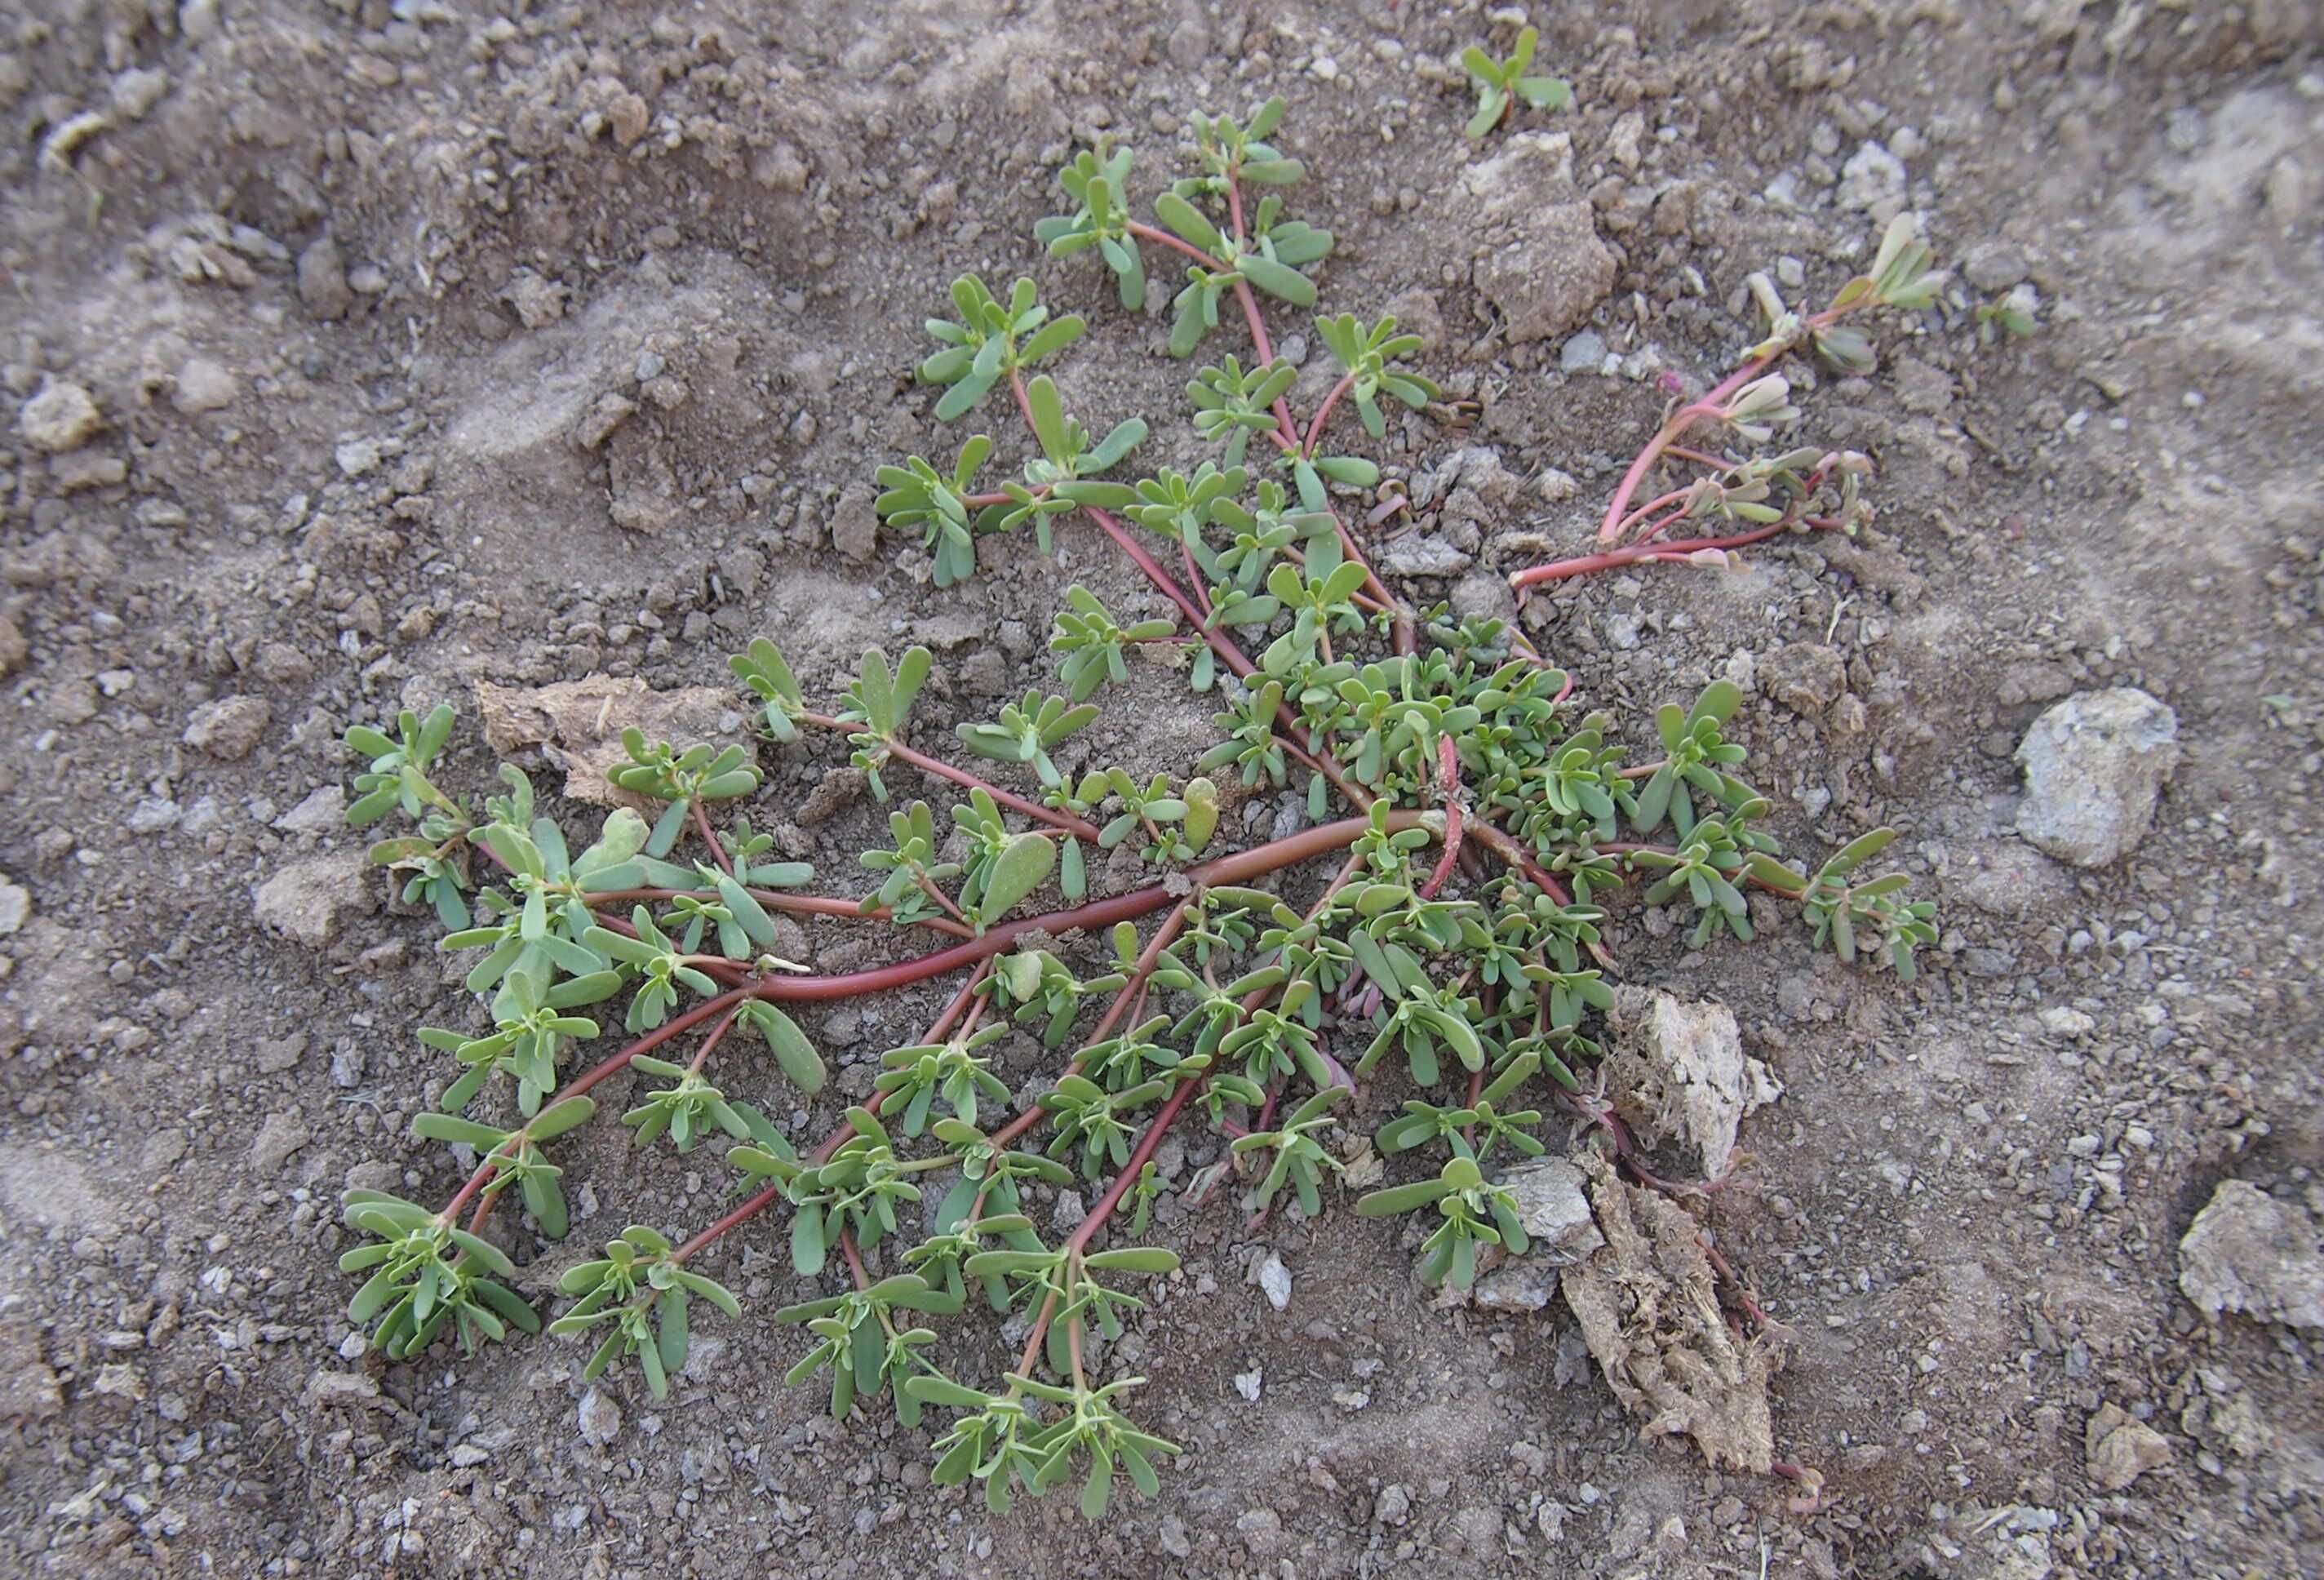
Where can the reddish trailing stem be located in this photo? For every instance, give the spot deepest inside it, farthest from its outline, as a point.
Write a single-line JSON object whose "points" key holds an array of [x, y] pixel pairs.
{"points": [[774, 900], [1670, 552], [1687, 416], [710, 838], [1448, 786], [904, 752], [1241, 867]]}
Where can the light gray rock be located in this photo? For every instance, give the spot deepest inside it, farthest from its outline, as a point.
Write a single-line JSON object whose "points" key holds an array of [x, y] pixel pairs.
{"points": [[322, 279], [1546, 282], [62, 417], [2246, 1252], [1805, 676], [2095, 765], [1275, 1280], [308, 902], [229, 728], [281, 1135], [203, 385], [600, 1418], [16, 908], [2121, 1449], [324, 811], [1993, 266], [1584, 353], [855, 526], [28, 1384], [1871, 177], [1414, 555], [1553, 1205]]}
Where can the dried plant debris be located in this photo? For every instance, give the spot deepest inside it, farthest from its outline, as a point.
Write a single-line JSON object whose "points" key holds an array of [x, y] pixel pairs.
{"points": [[1678, 1074], [1650, 1315], [578, 725]]}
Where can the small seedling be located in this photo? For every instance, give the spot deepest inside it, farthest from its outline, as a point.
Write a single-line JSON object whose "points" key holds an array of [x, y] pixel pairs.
{"points": [[1447, 1004], [1503, 85]]}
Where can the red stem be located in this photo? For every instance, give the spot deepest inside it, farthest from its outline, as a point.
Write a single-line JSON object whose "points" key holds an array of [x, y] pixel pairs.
{"points": [[920, 759], [1323, 414], [1164, 238], [717, 1035], [710, 839], [1687, 417], [1064, 821], [1669, 552], [1147, 1144], [1241, 867], [776, 900]]}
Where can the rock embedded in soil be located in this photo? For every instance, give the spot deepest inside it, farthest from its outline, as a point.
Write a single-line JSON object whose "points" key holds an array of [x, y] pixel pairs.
{"points": [[62, 417], [1805, 676], [1274, 1279], [310, 902], [1993, 266], [1873, 178], [13, 649], [1545, 283], [2095, 766], [855, 526], [600, 1418], [2246, 1252], [1583, 354], [1542, 264], [228, 728], [2121, 1449], [203, 385], [280, 1136], [322, 279], [1414, 555], [644, 484], [28, 1385], [1553, 1205], [16, 908], [598, 423]]}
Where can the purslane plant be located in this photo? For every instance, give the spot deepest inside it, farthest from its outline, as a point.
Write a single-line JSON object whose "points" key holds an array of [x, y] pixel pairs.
{"points": [[1505, 84], [1452, 962]]}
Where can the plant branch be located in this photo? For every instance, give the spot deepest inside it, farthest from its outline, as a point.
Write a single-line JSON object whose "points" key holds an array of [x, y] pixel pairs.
{"points": [[1241, 867], [611, 1065], [904, 751], [766, 1198], [1670, 552], [774, 900], [710, 838]]}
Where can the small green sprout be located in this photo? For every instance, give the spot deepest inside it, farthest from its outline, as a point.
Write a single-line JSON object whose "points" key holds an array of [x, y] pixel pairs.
{"points": [[1503, 85]]}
